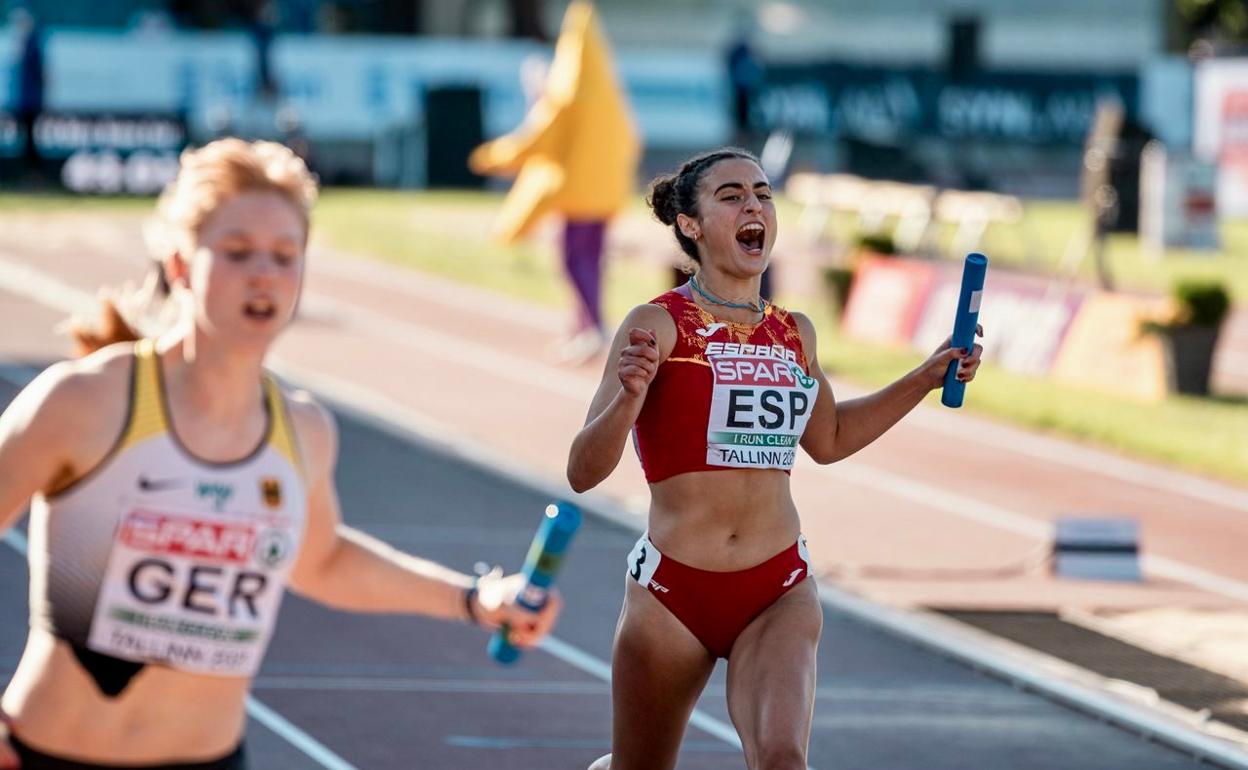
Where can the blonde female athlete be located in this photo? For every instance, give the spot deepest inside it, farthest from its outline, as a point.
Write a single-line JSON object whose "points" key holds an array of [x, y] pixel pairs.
{"points": [[718, 389], [176, 490]]}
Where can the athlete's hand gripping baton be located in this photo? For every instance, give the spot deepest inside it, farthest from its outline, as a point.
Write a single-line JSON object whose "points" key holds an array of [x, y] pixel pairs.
{"points": [[973, 273], [541, 565]]}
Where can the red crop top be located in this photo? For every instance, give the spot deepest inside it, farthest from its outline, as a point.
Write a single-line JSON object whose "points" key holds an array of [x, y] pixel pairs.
{"points": [[729, 396]]}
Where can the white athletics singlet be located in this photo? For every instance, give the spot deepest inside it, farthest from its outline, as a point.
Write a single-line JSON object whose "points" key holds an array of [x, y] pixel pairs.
{"points": [[156, 556]]}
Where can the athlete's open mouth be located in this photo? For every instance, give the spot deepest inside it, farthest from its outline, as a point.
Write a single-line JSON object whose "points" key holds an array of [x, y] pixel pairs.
{"points": [[259, 310], [751, 236]]}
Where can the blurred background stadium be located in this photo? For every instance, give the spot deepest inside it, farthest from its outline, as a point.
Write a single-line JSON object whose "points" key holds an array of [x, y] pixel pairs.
{"points": [[1096, 148], [1096, 151]]}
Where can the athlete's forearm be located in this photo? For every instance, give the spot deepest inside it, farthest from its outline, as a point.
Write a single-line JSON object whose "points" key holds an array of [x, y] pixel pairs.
{"points": [[363, 574], [596, 450], [860, 421]]}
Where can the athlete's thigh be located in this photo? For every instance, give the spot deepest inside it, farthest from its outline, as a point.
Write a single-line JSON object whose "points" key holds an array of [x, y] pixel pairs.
{"points": [[658, 670], [771, 676]]}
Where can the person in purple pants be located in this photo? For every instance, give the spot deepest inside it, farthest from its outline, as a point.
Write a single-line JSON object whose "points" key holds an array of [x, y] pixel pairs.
{"points": [[582, 259], [574, 157]]}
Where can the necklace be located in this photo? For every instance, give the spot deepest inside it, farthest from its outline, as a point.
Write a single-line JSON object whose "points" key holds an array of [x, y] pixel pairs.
{"points": [[760, 307]]}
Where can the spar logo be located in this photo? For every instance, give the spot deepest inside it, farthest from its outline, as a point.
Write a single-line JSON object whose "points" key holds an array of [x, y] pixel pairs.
{"points": [[160, 533], [761, 372], [196, 567]]}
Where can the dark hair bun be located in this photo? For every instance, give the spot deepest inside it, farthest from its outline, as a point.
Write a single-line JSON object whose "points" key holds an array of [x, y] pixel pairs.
{"points": [[662, 199]]}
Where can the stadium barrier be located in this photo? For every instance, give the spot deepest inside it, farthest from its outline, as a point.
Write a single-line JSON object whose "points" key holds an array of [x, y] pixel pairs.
{"points": [[1039, 327]]}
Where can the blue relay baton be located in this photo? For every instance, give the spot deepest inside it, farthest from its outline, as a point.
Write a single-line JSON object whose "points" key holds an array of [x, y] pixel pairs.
{"points": [[542, 563], [973, 273]]}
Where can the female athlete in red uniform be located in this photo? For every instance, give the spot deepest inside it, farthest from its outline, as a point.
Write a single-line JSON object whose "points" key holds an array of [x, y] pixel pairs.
{"points": [[718, 389], [177, 490]]}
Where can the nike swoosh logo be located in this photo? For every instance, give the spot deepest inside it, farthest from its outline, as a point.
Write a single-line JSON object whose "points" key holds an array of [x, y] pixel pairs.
{"points": [[708, 331], [156, 485], [793, 578]]}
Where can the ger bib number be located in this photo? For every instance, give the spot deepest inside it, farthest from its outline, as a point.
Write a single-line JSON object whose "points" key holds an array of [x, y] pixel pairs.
{"points": [[759, 409], [200, 592]]}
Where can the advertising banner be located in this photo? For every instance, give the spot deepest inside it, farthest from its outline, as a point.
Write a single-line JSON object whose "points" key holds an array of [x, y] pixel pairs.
{"points": [[886, 299], [1028, 317], [99, 153], [1178, 202], [885, 104], [1105, 348], [1222, 129], [353, 88], [1034, 326]]}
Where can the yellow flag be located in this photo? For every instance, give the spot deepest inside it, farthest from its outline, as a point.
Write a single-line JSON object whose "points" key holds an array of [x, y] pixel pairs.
{"points": [[576, 152]]}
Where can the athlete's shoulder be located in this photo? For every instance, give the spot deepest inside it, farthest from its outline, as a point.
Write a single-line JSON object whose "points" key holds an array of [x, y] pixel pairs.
{"points": [[801, 320], [806, 337], [650, 311], [309, 415], [73, 403], [649, 316], [790, 319], [671, 298], [315, 429], [109, 361], [85, 383]]}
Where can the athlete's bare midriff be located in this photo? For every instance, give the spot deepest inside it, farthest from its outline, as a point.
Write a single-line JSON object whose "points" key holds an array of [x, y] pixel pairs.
{"points": [[163, 715], [723, 520]]}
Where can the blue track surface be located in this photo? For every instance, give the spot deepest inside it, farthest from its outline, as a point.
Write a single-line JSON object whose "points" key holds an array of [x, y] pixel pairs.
{"points": [[393, 693]]}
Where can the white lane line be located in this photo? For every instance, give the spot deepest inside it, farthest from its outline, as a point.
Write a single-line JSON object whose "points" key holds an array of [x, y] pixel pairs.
{"points": [[42, 287], [388, 415], [266, 716], [1082, 458], [921, 493], [489, 360], [912, 490], [577, 658], [918, 697], [428, 288], [601, 669], [296, 737], [1194, 576], [445, 686]]}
